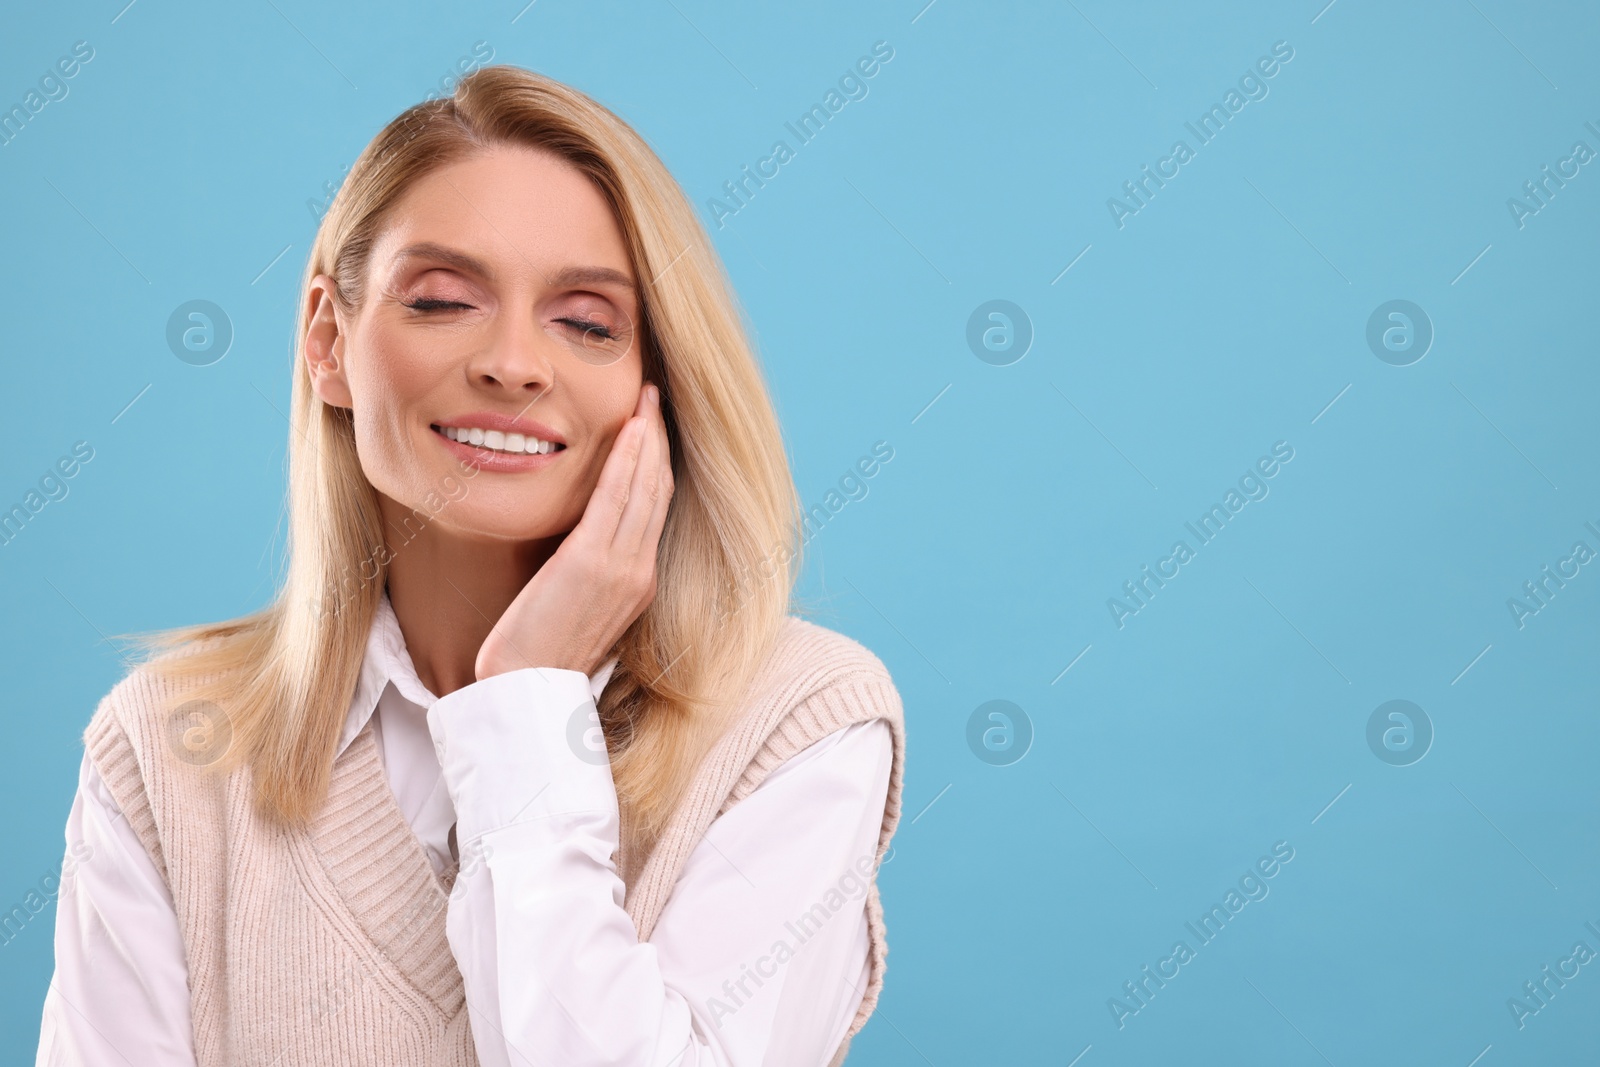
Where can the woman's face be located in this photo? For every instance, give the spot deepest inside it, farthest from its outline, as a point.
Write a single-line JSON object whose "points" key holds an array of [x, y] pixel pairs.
{"points": [[500, 333]]}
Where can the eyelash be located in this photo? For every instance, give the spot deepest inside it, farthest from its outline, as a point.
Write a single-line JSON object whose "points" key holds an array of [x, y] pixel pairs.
{"points": [[590, 327], [580, 324]]}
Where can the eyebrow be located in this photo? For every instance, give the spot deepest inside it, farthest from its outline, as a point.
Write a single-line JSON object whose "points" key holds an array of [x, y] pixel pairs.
{"points": [[563, 277]]}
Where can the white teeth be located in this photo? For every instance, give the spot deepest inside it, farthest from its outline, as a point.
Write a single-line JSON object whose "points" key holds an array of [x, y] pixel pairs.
{"points": [[497, 441]]}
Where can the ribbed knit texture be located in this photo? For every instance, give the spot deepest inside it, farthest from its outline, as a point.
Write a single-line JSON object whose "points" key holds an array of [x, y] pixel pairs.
{"points": [[328, 946]]}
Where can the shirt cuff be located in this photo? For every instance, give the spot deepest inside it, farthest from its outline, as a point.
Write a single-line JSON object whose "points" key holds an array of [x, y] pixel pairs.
{"points": [[522, 745]]}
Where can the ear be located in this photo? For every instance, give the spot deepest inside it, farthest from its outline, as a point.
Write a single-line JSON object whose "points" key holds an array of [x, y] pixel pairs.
{"points": [[325, 345]]}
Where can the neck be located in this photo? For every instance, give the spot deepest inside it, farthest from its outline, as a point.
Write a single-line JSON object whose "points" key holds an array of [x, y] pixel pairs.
{"points": [[448, 589]]}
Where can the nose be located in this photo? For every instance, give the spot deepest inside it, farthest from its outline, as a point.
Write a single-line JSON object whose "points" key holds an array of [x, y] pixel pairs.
{"points": [[516, 362]]}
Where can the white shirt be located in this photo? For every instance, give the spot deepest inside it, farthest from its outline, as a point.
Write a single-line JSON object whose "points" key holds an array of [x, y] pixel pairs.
{"points": [[552, 965]]}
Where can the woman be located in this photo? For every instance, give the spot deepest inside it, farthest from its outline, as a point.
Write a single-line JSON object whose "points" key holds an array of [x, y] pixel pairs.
{"points": [[526, 762]]}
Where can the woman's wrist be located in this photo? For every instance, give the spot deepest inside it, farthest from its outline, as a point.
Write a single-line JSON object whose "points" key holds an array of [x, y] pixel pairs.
{"points": [[498, 656]]}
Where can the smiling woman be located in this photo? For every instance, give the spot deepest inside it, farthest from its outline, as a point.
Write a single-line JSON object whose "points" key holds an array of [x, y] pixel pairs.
{"points": [[508, 287]]}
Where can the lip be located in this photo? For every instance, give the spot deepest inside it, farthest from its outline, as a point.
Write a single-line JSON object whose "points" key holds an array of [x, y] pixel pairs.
{"points": [[488, 460], [493, 420]]}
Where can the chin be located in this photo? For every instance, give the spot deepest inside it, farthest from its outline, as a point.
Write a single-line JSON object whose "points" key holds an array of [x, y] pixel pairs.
{"points": [[506, 526]]}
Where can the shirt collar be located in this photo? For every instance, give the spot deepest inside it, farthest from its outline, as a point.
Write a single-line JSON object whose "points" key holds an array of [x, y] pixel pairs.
{"points": [[387, 662]]}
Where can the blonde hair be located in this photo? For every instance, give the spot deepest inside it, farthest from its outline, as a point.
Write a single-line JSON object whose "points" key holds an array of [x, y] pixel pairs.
{"points": [[282, 678]]}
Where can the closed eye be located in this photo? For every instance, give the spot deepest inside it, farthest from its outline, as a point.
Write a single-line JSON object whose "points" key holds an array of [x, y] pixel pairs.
{"points": [[596, 328]]}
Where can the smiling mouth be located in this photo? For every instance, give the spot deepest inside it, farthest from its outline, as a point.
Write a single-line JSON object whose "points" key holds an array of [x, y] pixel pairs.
{"points": [[511, 444]]}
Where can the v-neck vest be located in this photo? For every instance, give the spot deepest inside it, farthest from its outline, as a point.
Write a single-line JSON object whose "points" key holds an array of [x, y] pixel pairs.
{"points": [[327, 945]]}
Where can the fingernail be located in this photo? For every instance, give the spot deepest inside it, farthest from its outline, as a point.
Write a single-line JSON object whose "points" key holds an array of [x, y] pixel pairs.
{"points": [[655, 395]]}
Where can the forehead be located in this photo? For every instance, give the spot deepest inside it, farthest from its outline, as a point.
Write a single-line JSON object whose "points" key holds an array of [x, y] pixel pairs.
{"points": [[516, 210]]}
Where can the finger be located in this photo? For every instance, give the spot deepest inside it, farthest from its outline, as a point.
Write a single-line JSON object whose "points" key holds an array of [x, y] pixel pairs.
{"points": [[609, 500], [650, 535], [658, 516], [643, 488]]}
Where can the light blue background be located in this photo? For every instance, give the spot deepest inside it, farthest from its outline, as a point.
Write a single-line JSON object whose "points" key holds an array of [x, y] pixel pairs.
{"points": [[1223, 317]]}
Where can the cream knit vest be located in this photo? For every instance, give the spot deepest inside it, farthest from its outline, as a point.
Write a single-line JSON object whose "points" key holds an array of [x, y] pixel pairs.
{"points": [[328, 947]]}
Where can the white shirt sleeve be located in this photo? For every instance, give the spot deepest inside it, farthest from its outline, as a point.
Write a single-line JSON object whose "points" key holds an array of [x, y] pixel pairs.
{"points": [[758, 959], [120, 992]]}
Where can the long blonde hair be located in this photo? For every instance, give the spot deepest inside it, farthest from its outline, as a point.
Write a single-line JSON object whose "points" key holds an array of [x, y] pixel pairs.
{"points": [[282, 678]]}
